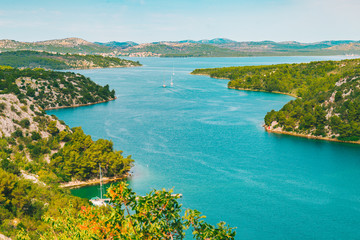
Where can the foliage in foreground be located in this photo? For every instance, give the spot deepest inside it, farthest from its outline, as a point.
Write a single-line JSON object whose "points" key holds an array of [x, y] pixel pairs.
{"points": [[23, 203], [154, 216]]}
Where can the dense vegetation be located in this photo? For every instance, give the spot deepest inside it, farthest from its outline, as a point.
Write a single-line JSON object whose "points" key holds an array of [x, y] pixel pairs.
{"points": [[34, 59], [154, 216], [80, 157], [52, 89], [328, 102], [24, 203]]}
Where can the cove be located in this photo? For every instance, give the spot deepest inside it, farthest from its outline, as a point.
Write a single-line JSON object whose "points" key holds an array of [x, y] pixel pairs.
{"points": [[208, 143]]}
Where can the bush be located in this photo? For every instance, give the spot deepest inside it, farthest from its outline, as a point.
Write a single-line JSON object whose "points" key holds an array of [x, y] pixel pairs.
{"points": [[10, 166], [2, 107], [25, 123], [23, 101], [17, 133], [24, 108], [52, 129], [35, 136]]}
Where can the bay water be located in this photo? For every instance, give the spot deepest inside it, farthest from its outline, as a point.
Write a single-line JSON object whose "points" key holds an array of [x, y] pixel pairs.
{"points": [[207, 142]]}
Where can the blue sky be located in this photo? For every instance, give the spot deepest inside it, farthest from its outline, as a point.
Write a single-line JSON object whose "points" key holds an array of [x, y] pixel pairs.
{"points": [[156, 20]]}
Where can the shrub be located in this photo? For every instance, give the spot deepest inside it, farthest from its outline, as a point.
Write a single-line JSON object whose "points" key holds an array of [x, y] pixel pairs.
{"points": [[17, 133], [24, 108], [2, 107], [25, 123]]}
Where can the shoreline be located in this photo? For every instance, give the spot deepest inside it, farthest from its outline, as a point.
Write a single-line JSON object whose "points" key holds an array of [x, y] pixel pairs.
{"points": [[105, 180], [307, 136], [96, 68], [81, 105], [245, 89], [256, 90]]}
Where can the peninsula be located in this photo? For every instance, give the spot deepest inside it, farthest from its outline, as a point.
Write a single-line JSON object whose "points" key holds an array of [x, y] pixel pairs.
{"points": [[38, 151], [61, 61], [328, 96]]}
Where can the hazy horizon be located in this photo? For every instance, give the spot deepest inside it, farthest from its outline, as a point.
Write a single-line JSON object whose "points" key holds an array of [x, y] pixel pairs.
{"points": [[186, 40], [146, 21]]}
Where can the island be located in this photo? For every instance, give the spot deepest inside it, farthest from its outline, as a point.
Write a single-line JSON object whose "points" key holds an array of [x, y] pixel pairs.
{"points": [[327, 104]]}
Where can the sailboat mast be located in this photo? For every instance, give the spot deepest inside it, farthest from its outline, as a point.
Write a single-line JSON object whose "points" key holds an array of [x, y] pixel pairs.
{"points": [[100, 182]]}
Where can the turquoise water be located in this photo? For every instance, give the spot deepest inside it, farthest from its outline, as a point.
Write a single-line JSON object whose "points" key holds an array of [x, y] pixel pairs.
{"points": [[208, 143]]}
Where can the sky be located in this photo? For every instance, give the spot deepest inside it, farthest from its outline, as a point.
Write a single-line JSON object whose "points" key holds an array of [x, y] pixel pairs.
{"points": [[171, 20]]}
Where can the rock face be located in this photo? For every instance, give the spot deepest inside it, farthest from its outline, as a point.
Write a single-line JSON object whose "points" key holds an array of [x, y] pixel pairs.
{"points": [[24, 116], [68, 42]]}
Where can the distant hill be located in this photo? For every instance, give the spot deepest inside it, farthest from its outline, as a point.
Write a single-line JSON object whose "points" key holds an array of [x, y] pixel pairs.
{"points": [[35, 59], [222, 47], [217, 41], [217, 47], [67, 45], [114, 44]]}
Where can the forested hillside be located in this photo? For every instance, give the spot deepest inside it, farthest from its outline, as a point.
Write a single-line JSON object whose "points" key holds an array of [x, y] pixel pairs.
{"points": [[328, 95], [51, 89], [38, 152], [34, 59]]}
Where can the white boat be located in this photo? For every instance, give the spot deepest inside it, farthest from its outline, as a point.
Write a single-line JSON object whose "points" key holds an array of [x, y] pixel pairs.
{"points": [[171, 81], [100, 201]]}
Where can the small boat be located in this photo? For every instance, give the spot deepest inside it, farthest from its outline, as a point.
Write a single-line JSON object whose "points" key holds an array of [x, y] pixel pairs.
{"points": [[100, 201], [171, 81]]}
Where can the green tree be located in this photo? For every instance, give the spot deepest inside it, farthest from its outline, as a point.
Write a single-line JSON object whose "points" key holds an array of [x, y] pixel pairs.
{"points": [[52, 129]]}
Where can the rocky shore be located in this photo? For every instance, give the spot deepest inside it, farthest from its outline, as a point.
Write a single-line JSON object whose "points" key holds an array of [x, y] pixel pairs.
{"points": [[80, 105], [78, 184], [279, 131]]}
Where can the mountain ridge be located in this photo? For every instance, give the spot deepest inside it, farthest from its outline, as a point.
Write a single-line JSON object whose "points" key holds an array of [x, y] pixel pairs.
{"points": [[216, 47]]}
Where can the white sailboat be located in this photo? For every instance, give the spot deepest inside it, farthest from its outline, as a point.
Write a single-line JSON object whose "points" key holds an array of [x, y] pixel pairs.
{"points": [[100, 201], [171, 81]]}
